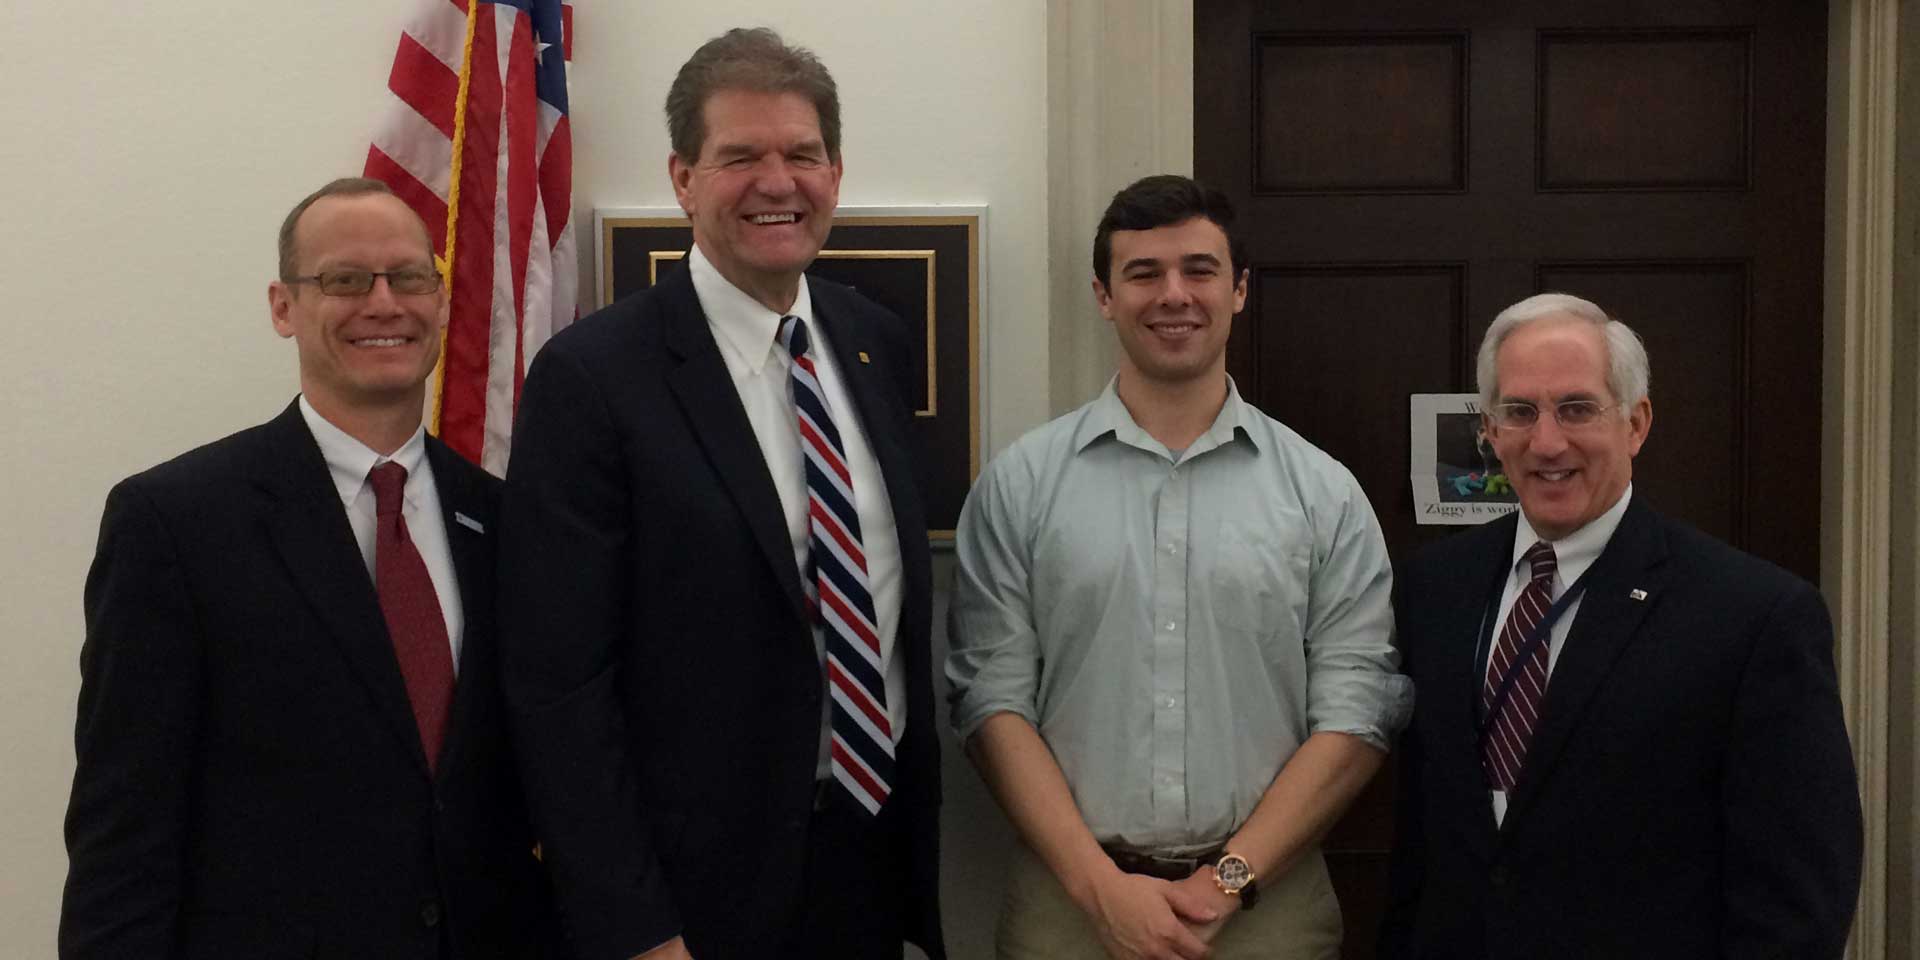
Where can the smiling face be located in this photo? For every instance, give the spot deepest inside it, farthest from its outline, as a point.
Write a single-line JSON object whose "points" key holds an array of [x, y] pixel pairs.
{"points": [[762, 192], [1172, 300], [371, 352], [1564, 477]]}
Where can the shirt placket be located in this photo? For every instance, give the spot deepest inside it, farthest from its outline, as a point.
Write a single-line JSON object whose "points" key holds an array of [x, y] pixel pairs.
{"points": [[1170, 656]]}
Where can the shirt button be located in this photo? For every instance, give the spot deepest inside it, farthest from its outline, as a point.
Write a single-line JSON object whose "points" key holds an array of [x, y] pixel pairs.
{"points": [[430, 914], [1171, 549], [1170, 625], [1170, 702]]}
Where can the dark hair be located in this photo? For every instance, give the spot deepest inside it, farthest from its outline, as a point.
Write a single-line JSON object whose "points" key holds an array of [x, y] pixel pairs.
{"points": [[1159, 201], [756, 60], [343, 187]]}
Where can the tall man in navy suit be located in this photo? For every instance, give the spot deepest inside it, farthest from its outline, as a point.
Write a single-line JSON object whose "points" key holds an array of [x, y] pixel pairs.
{"points": [[291, 739], [710, 494], [1628, 738]]}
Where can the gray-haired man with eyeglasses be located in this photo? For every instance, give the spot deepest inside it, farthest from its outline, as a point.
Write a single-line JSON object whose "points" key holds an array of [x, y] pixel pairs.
{"points": [[291, 740], [1628, 738]]}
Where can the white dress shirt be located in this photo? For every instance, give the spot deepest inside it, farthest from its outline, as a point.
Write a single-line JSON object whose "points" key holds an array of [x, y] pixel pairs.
{"points": [[747, 333], [1573, 554], [349, 461]]}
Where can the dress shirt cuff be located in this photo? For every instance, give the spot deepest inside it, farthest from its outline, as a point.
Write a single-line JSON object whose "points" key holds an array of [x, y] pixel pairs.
{"points": [[1372, 706], [969, 714]]}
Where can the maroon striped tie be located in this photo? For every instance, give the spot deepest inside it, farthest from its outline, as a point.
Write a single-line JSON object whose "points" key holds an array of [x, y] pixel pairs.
{"points": [[412, 609], [1503, 752]]}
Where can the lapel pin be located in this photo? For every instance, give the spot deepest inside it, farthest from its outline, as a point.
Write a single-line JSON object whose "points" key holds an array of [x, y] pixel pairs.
{"points": [[469, 522], [1637, 594], [864, 358]]}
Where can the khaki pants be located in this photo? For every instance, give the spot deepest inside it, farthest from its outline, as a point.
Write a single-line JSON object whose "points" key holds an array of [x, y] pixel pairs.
{"points": [[1297, 918]]}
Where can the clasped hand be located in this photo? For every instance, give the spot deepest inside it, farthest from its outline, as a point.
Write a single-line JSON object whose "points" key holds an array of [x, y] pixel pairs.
{"points": [[1143, 918]]}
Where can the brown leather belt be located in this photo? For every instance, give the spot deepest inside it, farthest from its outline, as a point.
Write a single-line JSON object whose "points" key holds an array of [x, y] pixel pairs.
{"points": [[1163, 867]]}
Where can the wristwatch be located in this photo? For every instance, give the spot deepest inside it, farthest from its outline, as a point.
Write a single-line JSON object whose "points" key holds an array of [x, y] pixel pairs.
{"points": [[1235, 878]]}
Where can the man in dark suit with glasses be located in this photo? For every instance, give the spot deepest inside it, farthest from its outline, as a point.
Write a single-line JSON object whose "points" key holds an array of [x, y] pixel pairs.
{"points": [[1627, 738], [291, 741]]}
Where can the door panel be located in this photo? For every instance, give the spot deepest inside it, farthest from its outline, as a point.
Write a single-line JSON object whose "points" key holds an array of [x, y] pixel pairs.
{"points": [[1360, 113], [1409, 315]]}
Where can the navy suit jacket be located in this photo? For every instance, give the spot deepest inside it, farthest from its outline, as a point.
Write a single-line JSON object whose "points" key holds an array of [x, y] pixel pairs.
{"points": [[250, 779], [658, 656], [1689, 791]]}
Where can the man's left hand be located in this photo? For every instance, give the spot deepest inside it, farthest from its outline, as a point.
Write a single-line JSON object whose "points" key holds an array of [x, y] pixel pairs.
{"points": [[1201, 888]]}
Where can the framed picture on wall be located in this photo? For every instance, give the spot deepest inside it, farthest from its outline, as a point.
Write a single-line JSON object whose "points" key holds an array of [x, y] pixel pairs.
{"points": [[924, 264]]}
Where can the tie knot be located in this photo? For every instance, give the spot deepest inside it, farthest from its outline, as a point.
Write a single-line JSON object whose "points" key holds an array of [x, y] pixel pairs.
{"points": [[388, 479], [793, 333], [1540, 555]]}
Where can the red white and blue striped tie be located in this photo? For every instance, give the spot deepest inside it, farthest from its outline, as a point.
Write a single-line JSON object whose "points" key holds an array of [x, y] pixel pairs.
{"points": [[838, 593]]}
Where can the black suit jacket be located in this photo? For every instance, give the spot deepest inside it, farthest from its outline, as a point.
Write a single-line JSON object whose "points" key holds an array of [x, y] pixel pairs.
{"points": [[1689, 791], [250, 779], [662, 671]]}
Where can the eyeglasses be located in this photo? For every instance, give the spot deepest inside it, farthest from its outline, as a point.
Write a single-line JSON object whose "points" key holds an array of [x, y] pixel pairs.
{"points": [[1570, 414], [357, 283]]}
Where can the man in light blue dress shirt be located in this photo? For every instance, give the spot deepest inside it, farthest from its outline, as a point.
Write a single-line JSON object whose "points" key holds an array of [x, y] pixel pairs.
{"points": [[1171, 631]]}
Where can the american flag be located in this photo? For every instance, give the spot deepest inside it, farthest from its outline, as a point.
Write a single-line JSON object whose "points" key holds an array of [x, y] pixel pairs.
{"points": [[477, 141]]}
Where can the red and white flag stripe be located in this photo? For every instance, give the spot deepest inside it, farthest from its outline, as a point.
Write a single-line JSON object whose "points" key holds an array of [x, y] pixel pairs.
{"points": [[477, 140]]}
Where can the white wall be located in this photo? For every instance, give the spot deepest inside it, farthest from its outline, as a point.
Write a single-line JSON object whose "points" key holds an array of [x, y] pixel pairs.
{"points": [[149, 152]]}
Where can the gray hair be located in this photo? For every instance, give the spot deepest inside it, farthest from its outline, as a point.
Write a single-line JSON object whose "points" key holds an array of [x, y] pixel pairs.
{"points": [[1628, 373]]}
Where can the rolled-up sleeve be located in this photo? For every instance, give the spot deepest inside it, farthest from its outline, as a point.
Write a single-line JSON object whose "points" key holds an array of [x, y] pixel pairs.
{"points": [[994, 663], [1353, 681]]}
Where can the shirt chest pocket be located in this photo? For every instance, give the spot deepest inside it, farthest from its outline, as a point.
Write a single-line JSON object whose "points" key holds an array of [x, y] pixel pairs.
{"points": [[1259, 582]]}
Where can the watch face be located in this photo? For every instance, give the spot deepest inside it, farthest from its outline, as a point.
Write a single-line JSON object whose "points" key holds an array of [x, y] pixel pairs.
{"points": [[1233, 872]]}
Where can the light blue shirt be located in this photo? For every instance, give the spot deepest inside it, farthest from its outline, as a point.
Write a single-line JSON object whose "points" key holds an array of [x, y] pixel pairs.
{"points": [[1174, 626]]}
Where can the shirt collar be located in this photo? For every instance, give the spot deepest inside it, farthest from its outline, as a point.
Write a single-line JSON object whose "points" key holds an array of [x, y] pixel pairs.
{"points": [[1106, 415], [349, 460], [1576, 551], [745, 329]]}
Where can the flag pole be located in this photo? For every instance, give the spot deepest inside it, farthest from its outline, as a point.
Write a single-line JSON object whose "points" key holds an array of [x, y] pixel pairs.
{"points": [[453, 208]]}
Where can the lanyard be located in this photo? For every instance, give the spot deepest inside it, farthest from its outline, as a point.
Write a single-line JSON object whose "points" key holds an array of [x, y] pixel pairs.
{"points": [[1538, 635]]}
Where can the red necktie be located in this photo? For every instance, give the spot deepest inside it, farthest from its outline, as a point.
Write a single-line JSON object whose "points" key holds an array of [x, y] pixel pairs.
{"points": [[1510, 731], [412, 609], [841, 596]]}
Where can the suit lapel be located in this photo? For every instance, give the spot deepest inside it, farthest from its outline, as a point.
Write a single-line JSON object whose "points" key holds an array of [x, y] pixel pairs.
{"points": [[712, 407], [1603, 629], [309, 528], [869, 385], [853, 340], [462, 497]]}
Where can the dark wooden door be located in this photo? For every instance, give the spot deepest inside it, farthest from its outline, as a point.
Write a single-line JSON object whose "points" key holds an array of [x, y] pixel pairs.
{"points": [[1406, 170]]}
